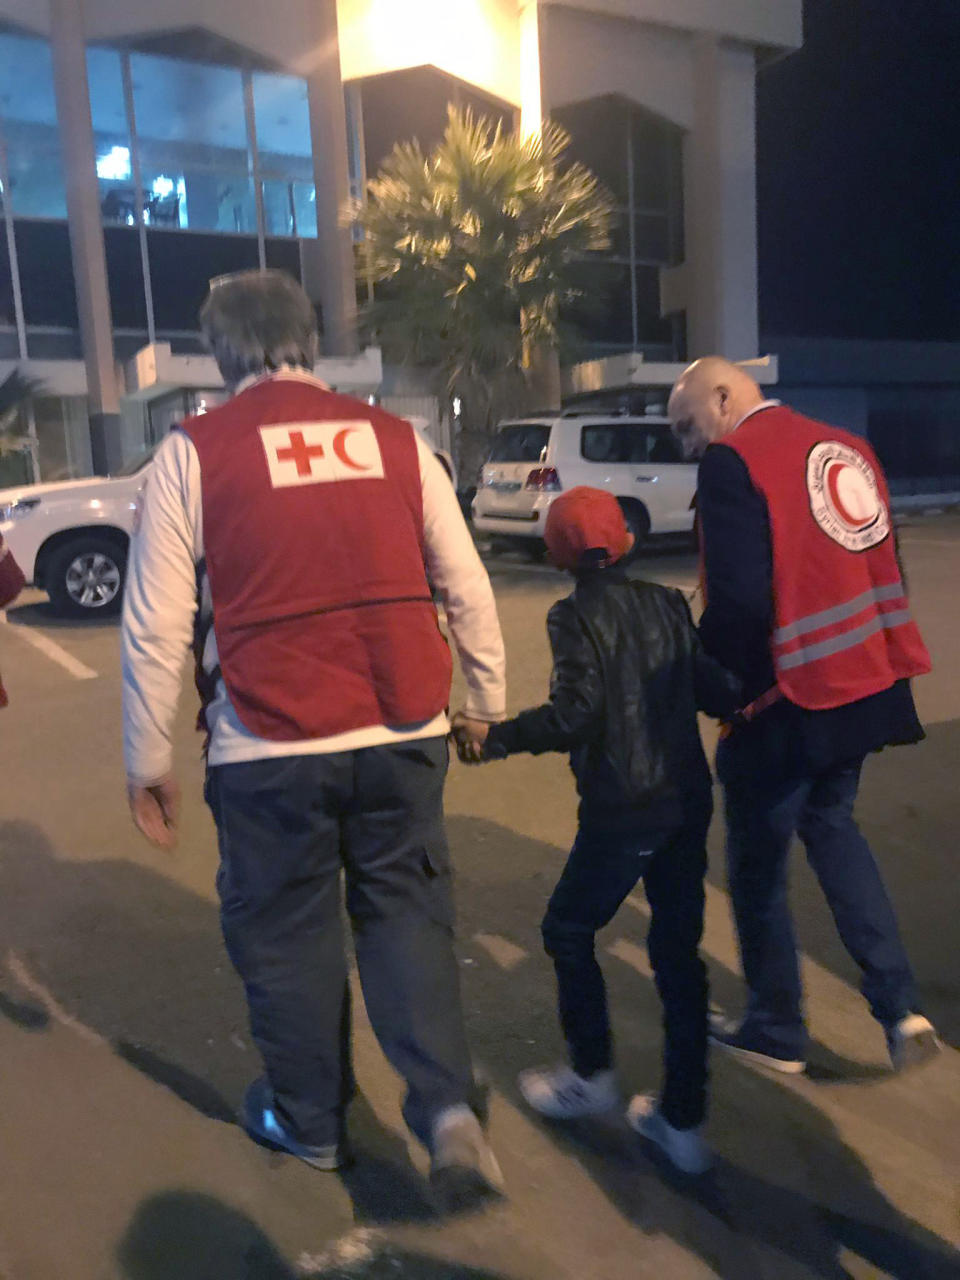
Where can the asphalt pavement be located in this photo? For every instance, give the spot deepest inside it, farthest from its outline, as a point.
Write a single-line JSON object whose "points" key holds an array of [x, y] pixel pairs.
{"points": [[125, 1050]]}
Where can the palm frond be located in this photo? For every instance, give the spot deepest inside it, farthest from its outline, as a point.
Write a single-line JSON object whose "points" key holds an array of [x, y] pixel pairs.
{"points": [[475, 246]]}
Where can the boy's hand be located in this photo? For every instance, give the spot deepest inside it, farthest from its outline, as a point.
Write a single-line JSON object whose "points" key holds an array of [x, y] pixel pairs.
{"points": [[469, 736]]}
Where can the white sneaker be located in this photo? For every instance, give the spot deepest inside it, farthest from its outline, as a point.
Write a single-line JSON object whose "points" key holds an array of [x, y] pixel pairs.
{"points": [[912, 1041], [684, 1148], [560, 1094], [464, 1172]]}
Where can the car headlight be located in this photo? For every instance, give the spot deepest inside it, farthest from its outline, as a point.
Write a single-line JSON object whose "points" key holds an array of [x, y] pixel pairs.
{"points": [[14, 510]]}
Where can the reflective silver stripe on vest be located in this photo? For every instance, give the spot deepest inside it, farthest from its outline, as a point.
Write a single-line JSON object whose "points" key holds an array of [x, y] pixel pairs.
{"points": [[848, 640], [814, 621]]}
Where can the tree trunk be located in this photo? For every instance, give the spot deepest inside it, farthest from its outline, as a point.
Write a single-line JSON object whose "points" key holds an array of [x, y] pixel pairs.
{"points": [[543, 379]]}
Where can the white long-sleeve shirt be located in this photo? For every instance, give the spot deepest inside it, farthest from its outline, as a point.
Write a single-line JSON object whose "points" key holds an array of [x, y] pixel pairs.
{"points": [[163, 594]]}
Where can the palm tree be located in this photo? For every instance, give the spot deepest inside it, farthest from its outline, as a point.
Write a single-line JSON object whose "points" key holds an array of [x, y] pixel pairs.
{"points": [[475, 249]]}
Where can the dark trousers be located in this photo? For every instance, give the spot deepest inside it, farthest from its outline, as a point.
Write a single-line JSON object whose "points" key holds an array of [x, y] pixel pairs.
{"points": [[287, 827], [601, 870], [765, 807]]}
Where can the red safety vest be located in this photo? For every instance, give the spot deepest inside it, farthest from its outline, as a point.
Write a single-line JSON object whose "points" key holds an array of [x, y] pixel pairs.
{"points": [[313, 538], [12, 583], [842, 623]]}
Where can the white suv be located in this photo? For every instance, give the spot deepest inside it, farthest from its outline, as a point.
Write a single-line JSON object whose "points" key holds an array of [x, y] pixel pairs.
{"points": [[71, 538], [535, 459]]}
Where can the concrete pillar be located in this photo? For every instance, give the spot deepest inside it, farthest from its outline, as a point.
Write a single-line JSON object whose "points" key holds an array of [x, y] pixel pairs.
{"points": [[717, 284], [531, 79], [86, 229], [328, 265]]}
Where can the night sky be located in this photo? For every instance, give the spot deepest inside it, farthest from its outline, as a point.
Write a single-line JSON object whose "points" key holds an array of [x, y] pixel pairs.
{"points": [[859, 174]]}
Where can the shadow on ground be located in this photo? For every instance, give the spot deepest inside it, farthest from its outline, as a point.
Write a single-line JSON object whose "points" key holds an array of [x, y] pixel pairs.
{"points": [[788, 1185], [908, 811], [181, 1235], [140, 961], [40, 613]]}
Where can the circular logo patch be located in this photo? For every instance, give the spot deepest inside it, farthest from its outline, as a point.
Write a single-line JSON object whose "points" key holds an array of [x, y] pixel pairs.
{"points": [[844, 496]]}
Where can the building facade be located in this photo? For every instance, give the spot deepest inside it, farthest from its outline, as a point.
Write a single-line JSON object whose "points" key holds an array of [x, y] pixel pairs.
{"points": [[148, 147]]}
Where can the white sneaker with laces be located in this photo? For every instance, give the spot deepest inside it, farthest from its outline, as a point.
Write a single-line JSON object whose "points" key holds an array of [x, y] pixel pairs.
{"points": [[560, 1094], [684, 1148], [912, 1041]]}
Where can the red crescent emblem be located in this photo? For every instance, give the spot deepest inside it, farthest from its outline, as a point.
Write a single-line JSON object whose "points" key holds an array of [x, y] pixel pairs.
{"points": [[340, 449], [833, 485]]}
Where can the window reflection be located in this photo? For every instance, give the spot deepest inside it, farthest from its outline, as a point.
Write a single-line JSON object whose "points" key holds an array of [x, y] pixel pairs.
{"points": [[111, 135], [194, 157], [282, 117], [28, 117], [638, 157]]}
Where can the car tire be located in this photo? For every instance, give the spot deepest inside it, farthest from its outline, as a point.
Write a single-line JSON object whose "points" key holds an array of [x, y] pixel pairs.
{"points": [[84, 577], [638, 522]]}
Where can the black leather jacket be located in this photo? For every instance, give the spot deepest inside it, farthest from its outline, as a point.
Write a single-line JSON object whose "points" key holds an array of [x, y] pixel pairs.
{"points": [[629, 676]]}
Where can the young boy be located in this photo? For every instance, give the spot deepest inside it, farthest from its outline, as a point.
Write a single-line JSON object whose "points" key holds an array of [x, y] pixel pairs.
{"points": [[628, 678]]}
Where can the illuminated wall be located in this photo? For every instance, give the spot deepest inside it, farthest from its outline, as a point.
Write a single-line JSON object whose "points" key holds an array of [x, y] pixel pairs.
{"points": [[475, 40]]}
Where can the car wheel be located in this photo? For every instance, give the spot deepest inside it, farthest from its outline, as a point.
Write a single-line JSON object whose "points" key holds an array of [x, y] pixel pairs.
{"points": [[638, 522], [84, 577]]}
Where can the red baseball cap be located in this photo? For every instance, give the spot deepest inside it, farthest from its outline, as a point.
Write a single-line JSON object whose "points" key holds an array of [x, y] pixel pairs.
{"points": [[586, 520]]}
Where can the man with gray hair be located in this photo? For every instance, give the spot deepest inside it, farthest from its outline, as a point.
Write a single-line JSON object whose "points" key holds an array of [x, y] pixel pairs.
{"points": [[287, 536], [804, 601]]}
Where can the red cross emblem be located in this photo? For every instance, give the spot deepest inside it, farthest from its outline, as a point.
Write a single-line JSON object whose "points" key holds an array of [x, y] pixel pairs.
{"points": [[301, 453], [321, 452]]}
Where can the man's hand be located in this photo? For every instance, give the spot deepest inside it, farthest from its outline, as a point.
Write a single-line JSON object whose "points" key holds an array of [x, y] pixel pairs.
{"points": [[469, 735], [156, 811]]}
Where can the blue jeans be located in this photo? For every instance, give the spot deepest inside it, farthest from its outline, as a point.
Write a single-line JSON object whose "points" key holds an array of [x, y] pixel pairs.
{"points": [[602, 869], [287, 827], [765, 807]]}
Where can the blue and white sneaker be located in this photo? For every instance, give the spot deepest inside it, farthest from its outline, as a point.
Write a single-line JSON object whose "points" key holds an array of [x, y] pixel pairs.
{"points": [[684, 1148], [912, 1041], [742, 1041], [261, 1123], [560, 1094]]}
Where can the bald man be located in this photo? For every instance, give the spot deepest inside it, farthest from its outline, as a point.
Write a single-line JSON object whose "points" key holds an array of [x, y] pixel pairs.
{"points": [[804, 601]]}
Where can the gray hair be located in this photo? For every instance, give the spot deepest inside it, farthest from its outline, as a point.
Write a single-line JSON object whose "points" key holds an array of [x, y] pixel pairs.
{"points": [[256, 321]]}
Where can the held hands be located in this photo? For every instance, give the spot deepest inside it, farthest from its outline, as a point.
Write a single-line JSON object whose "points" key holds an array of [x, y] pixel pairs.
{"points": [[156, 811], [469, 736]]}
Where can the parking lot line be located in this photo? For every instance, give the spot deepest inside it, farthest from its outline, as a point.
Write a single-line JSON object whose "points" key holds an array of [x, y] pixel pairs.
{"points": [[503, 952], [52, 650]]}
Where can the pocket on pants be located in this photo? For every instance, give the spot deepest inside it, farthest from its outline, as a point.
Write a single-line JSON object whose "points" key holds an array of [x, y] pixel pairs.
{"points": [[437, 871]]}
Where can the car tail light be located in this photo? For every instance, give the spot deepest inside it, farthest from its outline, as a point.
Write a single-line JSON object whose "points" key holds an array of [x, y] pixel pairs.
{"points": [[544, 479]]}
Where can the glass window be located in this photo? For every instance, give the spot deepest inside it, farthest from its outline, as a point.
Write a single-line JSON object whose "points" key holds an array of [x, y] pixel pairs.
{"points": [[653, 328], [652, 161], [663, 446], [52, 452], [125, 277], [598, 139], [284, 255], [289, 208], [282, 114], [111, 134], [628, 443], [652, 242], [522, 443], [181, 267], [46, 274], [28, 118], [639, 158], [8, 314], [601, 444], [191, 129]]}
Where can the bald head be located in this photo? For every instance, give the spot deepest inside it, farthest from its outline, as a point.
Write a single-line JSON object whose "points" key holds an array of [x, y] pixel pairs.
{"points": [[709, 399]]}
